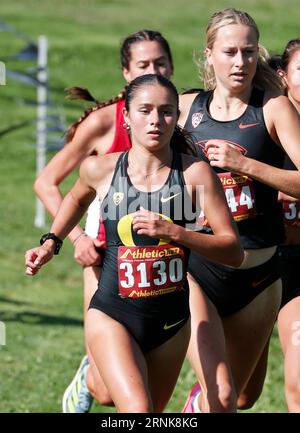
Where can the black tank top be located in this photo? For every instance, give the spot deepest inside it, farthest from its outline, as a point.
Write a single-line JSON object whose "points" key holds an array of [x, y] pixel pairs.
{"points": [[253, 204], [138, 270]]}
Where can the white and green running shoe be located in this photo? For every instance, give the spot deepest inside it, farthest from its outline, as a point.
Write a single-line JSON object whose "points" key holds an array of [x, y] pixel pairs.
{"points": [[77, 398]]}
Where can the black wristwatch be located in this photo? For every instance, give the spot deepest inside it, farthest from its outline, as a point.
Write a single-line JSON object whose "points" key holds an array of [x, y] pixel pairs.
{"points": [[58, 242]]}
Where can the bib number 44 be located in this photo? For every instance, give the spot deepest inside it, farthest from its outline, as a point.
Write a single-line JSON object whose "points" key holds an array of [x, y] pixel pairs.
{"points": [[239, 193]]}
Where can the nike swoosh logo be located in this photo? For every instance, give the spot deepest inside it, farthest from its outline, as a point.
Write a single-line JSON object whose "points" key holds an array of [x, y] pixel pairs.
{"points": [[164, 199], [166, 326], [247, 125]]}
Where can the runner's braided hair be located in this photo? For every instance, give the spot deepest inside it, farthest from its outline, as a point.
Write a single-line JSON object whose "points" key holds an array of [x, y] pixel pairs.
{"points": [[125, 56]]}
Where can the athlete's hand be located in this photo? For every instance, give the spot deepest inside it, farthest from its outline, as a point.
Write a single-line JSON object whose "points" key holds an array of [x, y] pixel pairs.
{"points": [[151, 224], [37, 257], [85, 252], [225, 155]]}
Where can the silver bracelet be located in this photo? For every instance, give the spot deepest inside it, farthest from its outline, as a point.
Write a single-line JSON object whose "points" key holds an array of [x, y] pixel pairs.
{"points": [[78, 237]]}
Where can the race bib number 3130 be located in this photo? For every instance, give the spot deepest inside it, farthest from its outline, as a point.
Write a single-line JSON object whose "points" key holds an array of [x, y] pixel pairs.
{"points": [[147, 271]]}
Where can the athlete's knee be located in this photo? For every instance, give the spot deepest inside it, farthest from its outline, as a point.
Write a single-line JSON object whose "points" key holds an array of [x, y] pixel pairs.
{"points": [[227, 397], [223, 399], [292, 390], [251, 393], [97, 389], [246, 401], [101, 395]]}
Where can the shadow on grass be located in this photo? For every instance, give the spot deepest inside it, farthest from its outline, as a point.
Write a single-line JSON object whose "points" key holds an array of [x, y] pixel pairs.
{"points": [[14, 301], [31, 317]]}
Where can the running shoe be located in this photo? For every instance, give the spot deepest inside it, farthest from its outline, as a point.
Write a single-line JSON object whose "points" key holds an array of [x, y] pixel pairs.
{"points": [[188, 406], [77, 398]]}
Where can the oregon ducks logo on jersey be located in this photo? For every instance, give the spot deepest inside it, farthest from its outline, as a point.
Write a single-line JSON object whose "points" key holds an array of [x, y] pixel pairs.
{"points": [[125, 233]]}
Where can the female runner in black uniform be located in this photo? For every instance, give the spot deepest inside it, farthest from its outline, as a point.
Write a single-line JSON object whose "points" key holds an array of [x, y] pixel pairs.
{"points": [[140, 312], [240, 126], [99, 131]]}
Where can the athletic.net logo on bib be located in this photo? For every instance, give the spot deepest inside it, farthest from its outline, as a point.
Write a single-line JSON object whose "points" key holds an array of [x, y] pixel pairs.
{"points": [[148, 271]]}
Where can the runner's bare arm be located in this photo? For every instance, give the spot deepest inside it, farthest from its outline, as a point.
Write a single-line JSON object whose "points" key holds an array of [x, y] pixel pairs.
{"points": [[66, 161]]}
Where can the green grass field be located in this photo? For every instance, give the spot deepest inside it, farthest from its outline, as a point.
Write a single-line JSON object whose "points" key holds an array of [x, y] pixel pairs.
{"points": [[43, 315]]}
